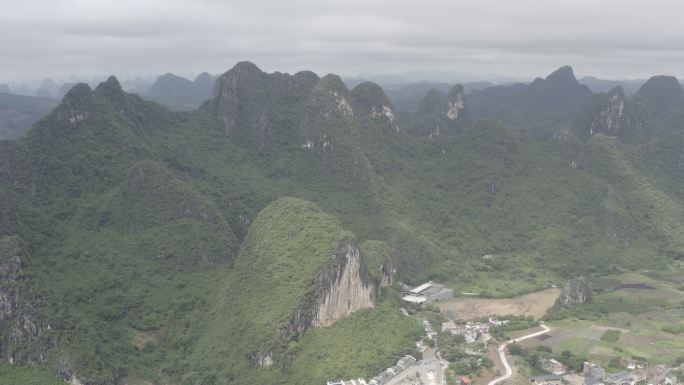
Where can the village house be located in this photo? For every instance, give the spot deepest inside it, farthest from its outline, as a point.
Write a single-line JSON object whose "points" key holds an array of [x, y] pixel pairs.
{"points": [[549, 379], [591, 370], [497, 322], [359, 381], [384, 376], [626, 377], [552, 366], [649, 375], [390, 373], [429, 331], [470, 331]]}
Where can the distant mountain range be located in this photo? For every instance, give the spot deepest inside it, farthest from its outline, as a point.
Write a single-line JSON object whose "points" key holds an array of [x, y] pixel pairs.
{"points": [[179, 93], [18, 113], [630, 87]]}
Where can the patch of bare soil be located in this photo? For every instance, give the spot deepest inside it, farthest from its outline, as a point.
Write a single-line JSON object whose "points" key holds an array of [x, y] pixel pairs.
{"points": [[535, 304]]}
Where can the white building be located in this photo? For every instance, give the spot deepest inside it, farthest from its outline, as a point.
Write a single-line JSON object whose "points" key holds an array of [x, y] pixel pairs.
{"points": [[358, 381], [413, 299]]}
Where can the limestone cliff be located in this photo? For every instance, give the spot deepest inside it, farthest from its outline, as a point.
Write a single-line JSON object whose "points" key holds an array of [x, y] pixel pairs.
{"points": [[344, 287], [341, 288], [612, 117], [575, 292], [329, 101], [456, 104], [441, 113], [22, 337], [236, 96], [370, 100], [607, 114], [76, 105]]}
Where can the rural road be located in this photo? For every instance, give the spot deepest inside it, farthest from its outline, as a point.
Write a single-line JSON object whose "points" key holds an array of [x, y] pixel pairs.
{"points": [[502, 353]]}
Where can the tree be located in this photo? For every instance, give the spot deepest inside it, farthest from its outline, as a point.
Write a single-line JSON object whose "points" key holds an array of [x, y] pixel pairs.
{"points": [[487, 362], [517, 350], [614, 362]]}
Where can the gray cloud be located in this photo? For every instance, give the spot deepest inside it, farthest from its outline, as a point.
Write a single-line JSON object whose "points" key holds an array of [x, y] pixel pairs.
{"points": [[522, 38]]}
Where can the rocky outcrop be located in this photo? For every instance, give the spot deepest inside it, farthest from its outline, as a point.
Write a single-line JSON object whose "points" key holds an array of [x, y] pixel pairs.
{"points": [[10, 267], [19, 326], [575, 292], [456, 104], [76, 105], [343, 287], [606, 114], [67, 372], [655, 110], [370, 100], [240, 97], [441, 113], [330, 100], [612, 117]]}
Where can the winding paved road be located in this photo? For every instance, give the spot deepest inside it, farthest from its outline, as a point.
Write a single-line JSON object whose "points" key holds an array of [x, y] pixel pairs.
{"points": [[502, 354]]}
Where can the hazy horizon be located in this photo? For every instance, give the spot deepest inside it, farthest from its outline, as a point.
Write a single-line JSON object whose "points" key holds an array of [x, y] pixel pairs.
{"points": [[484, 40]]}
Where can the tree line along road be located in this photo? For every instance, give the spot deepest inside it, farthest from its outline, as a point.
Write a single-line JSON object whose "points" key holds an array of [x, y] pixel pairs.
{"points": [[502, 353]]}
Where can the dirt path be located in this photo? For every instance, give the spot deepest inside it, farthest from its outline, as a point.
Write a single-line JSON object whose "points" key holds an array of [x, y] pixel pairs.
{"points": [[502, 354]]}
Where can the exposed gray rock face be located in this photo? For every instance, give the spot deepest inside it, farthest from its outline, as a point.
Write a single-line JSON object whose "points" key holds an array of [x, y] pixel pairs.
{"points": [[575, 292], [66, 371], [234, 93], [612, 117], [19, 326], [456, 103], [76, 105], [343, 287], [329, 100], [10, 267], [606, 114], [370, 100], [441, 113], [654, 110]]}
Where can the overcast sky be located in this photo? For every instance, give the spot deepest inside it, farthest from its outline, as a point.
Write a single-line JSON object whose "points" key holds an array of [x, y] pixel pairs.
{"points": [[518, 38]]}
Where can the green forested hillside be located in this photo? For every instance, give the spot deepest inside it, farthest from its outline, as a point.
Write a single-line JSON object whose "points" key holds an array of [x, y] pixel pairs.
{"points": [[19, 112], [157, 246]]}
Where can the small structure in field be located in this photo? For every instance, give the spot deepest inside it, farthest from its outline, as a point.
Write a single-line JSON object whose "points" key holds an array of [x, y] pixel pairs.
{"points": [[427, 293]]}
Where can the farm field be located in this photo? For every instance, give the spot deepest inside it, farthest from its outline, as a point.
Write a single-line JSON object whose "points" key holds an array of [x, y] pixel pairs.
{"points": [[535, 304], [635, 307]]}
